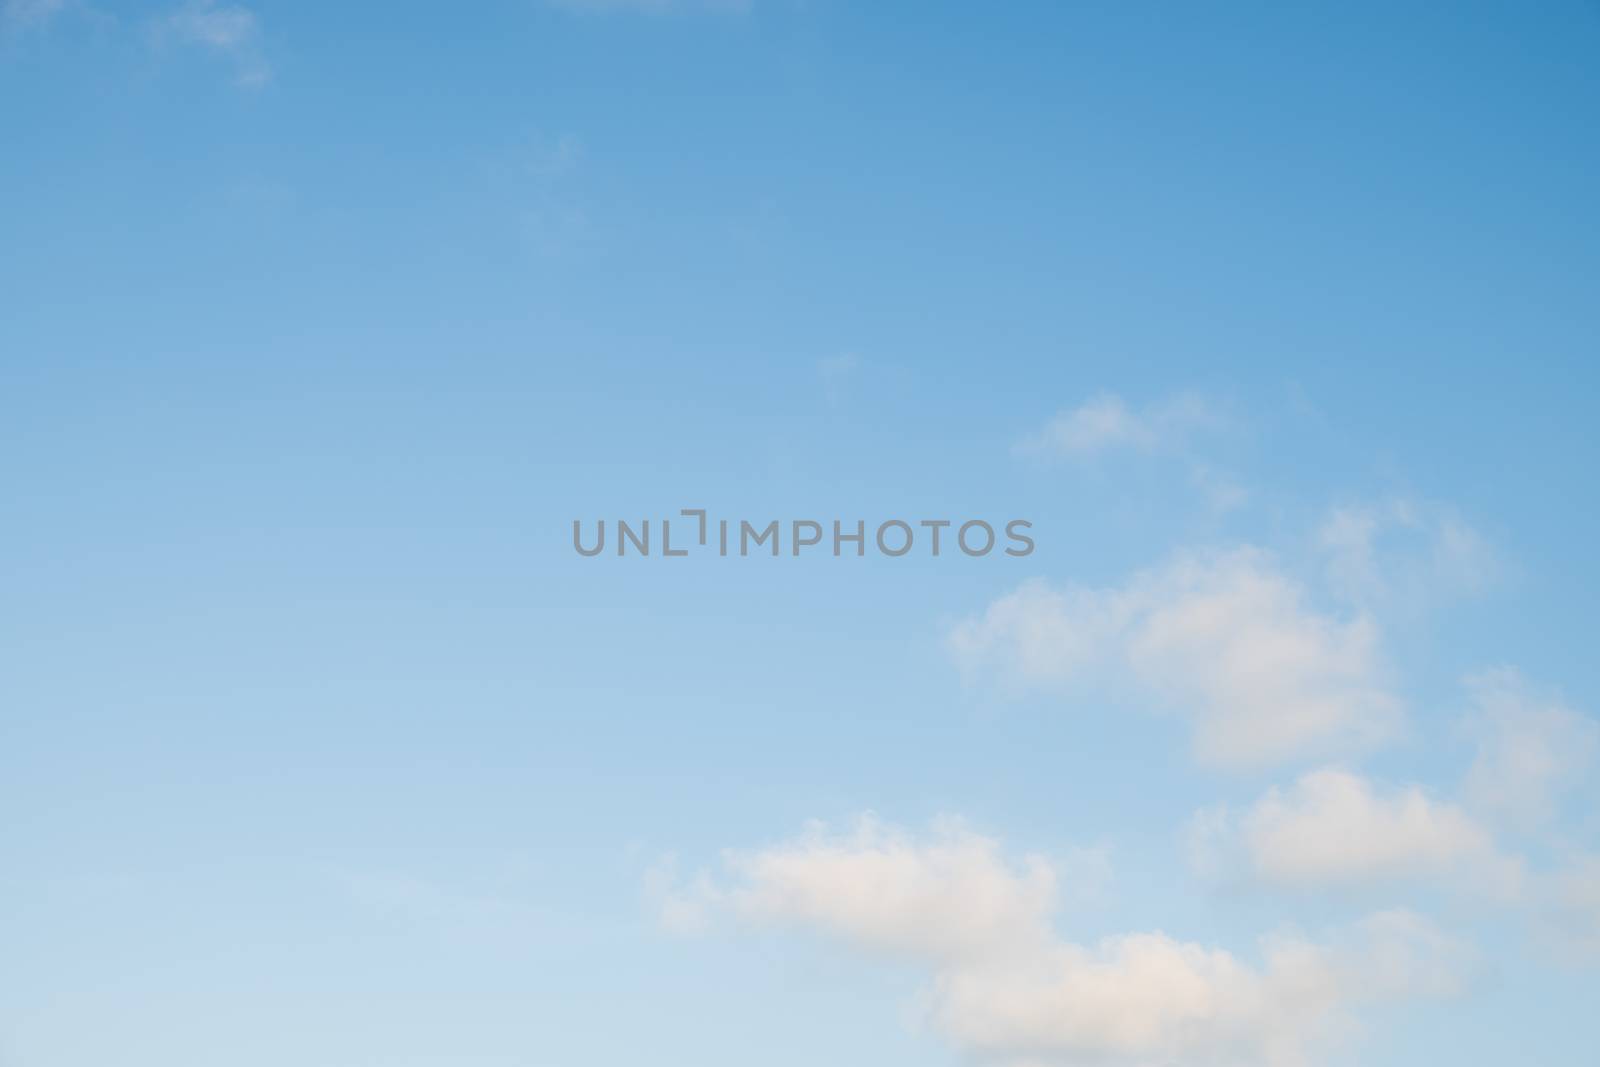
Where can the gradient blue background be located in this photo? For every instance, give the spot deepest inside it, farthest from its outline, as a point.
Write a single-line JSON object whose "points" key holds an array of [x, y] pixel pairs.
{"points": [[318, 744]]}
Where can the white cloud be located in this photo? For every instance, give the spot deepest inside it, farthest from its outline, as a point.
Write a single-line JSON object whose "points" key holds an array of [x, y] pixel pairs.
{"points": [[229, 30], [949, 896], [1531, 747], [1106, 423], [1402, 549], [1005, 989], [1226, 639], [1333, 828], [1151, 999]]}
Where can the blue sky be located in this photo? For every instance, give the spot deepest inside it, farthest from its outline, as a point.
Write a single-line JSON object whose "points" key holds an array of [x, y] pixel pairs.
{"points": [[319, 745]]}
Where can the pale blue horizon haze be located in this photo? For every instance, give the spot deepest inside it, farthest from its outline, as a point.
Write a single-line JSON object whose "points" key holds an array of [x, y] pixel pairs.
{"points": [[320, 324]]}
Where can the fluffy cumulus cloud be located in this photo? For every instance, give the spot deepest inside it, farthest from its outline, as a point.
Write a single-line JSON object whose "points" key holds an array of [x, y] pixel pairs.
{"points": [[1105, 423], [950, 895], [953, 897], [1004, 988], [1334, 828], [1530, 749], [1150, 999], [1227, 639]]}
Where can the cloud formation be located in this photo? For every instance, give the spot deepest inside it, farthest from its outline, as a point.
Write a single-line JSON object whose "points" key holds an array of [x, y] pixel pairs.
{"points": [[1005, 989], [1105, 423], [1226, 639], [1570, 920], [1530, 749], [1335, 829], [1148, 998], [950, 896], [228, 30], [1402, 550]]}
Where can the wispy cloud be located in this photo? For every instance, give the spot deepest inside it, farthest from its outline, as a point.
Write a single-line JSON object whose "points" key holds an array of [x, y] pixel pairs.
{"points": [[545, 173], [1569, 919], [1106, 423], [1220, 489], [1402, 550], [549, 159], [231, 31], [1530, 749]]}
